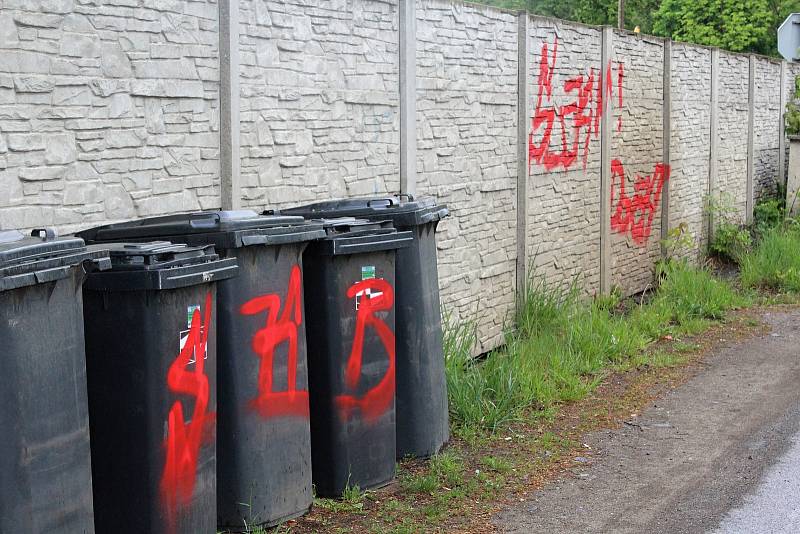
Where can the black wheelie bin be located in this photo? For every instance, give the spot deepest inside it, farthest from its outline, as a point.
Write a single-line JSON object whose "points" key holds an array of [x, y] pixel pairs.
{"points": [[422, 418], [45, 469], [349, 298], [263, 438], [151, 327]]}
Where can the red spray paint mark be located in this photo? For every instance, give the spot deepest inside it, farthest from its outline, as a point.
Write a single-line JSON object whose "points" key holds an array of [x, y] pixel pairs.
{"points": [[184, 439], [634, 214], [578, 120], [292, 402], [377, 400]]}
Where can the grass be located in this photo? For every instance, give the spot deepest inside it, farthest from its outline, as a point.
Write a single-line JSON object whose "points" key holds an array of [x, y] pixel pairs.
{"points": [[563, 344], [774, 262]]}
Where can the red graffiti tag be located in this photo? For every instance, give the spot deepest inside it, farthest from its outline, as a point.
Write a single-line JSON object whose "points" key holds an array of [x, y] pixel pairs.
{"points": [[635, 214], [184, 439], [578, 121], [377, 400], [292, 402]]}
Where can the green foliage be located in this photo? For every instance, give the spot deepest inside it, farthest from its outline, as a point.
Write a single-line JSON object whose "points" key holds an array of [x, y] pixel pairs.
{"points": [[775, 261], [689, 293], [768, 214], [678, 245], [792, 116], [736, 25], [731, 239], [597, 12], [563, 343]]}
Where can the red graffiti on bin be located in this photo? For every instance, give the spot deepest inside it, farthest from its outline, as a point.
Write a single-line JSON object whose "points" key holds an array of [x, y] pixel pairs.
{"points": [[277, 330], [634, 214], [376, 401], [184, 440], [578, 121]]}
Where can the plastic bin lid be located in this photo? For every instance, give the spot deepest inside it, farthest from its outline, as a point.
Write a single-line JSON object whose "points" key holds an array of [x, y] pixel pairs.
{"points": [[157, 255], [350, 235], [160, 265], [43, 257], [224, 229], [403, 210]]}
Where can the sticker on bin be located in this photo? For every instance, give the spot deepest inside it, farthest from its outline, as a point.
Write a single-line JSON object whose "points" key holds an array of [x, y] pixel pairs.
{"points": [[367, 273], [189, 313], [184, 336]]}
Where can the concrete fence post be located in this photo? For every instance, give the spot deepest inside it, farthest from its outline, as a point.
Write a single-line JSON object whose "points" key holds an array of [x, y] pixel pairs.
{"points": [[782, 128], [713, 149], [751, 112], [523, 119], [229, 126], [606, 55], [667, 135], [408, 97]]}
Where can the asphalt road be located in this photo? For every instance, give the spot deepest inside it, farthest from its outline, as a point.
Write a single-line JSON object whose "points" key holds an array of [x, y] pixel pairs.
{"points": [[720, 454]]}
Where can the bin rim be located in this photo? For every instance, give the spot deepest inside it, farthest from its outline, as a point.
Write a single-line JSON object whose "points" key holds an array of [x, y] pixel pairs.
{"points": [[160, 265], [223, 229], [403, 210], [44, 257]]}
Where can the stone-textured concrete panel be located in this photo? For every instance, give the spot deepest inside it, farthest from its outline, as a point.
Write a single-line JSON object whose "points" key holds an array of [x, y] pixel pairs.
{"points": [[319, 100], [767, 103], [101, 104], [564, 183], [466, 144], [731, 186], [690, 141], [636, 151]]}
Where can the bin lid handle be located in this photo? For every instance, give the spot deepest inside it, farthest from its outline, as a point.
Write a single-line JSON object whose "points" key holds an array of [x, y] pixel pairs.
{"points": [[388, 200], [44, 233]]}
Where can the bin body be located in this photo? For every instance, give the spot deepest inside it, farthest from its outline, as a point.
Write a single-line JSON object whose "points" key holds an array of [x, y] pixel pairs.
{"points": [[151, 359], [350, 308], [263, 439], [422, 410], [45, 469]]}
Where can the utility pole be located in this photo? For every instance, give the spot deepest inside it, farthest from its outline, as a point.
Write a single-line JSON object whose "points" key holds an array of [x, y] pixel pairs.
{"points": [[621, 14]]}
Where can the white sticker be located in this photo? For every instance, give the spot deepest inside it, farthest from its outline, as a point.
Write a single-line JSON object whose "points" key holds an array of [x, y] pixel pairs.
{"points": [[184, 337]]}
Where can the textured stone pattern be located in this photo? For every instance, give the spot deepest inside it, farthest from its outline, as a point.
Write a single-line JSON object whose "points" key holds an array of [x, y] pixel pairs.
{"points": [[319, 100], [637, 142], [563, 203], [731, 185], [766, 123], [690, 142], [108, 110], [466, 137]]}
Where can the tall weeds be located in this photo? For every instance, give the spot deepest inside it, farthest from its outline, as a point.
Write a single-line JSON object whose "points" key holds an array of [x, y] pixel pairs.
{"points": [[563, 342]]}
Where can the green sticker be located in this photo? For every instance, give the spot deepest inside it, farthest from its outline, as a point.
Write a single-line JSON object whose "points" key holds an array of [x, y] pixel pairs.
{"points": [[190, 313], [367, 272]]}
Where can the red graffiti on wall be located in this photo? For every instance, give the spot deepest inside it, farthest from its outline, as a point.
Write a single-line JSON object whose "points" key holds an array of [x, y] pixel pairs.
{"points": [[292, 402], [374, 403], [184, 439], [578, 121], [634, 214]]}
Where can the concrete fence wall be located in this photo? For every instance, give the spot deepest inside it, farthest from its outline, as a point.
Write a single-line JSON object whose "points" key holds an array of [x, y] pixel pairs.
{"points": [[562, 150]]}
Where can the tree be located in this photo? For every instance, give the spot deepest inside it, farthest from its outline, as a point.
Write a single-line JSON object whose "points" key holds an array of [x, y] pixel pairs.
{"points": [[737, 25]]}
